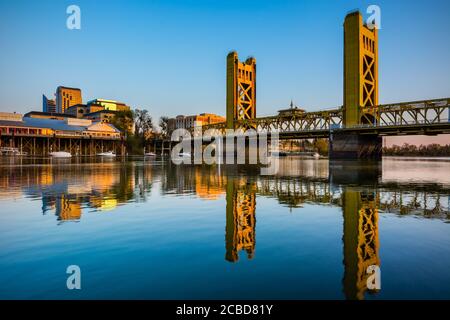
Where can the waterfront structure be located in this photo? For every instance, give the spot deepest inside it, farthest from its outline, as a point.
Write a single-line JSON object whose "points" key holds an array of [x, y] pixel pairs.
{"points": [[241, 89], [48, 105], [39, 133], [73, 126], [67, 97], [193, 121], [47, 115], [8, 116]]}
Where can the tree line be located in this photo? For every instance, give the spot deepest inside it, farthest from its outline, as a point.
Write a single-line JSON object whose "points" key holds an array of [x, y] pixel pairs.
{"points": [[137, 128], [431, 150]]}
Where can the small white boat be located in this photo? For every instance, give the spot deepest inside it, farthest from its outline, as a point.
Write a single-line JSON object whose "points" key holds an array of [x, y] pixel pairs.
{"points": [[150, 154], [306, 154], [60, 154], [279, 154], [106, 154], [12, 152]]}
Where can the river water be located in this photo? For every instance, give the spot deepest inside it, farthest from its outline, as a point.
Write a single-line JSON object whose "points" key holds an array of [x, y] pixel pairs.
{"points": [[153, 230]]}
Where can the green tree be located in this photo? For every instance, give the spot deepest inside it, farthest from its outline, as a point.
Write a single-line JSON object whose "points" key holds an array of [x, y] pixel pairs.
{"points": [[143, 124], [321, 146], [163, 123], [123, 120], [431, 150]]}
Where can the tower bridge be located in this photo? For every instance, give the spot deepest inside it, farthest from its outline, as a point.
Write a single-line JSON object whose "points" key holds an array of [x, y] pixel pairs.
{"points": [[353, 129]]}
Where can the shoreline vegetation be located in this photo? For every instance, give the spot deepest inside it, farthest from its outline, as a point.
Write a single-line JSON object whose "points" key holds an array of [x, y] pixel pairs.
{"points": [[411, 150]]}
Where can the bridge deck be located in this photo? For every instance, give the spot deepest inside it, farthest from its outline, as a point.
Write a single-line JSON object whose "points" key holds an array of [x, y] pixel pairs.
{"points": [[427, 117]]}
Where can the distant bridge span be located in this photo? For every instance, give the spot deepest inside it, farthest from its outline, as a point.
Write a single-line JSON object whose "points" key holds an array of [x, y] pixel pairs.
{"points": [[428, 117]]}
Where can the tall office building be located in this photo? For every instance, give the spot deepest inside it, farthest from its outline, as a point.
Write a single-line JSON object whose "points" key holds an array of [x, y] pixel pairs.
{"points": [[67, 97], [48, 105]]}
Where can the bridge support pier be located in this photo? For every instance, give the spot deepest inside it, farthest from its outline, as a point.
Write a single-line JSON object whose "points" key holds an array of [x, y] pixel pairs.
{"points": [[355, 146]]}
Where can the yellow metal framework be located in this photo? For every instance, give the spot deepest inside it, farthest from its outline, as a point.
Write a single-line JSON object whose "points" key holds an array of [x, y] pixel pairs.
{"points": [[241, 89], [424, 112], [403, 116], [360, 69]]}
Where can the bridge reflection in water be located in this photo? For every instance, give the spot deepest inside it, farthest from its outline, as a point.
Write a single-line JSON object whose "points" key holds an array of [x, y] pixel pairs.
{"points": [[360, 231], [357, 188]]}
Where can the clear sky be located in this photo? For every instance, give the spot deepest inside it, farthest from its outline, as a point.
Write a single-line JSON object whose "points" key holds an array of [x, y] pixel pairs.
{"points": [[169, 56]]}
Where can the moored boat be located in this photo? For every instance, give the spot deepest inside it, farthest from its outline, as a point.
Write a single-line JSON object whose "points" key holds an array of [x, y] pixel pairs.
{"points": [[60, 154], [279, 153], [150, 154], [106, 154], [8, 151]]}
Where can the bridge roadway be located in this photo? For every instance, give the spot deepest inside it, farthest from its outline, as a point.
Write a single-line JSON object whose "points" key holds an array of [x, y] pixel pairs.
{"points": [[427, 117]]}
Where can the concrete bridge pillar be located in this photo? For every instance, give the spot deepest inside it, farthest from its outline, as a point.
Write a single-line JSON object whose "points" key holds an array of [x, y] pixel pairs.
{"points": [[355, 146]]}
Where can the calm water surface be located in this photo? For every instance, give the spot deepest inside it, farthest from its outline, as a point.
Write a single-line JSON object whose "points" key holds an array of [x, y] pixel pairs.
{"points": [[152, 230]]}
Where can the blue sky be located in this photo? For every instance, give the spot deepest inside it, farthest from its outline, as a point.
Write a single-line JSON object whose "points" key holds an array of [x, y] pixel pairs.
{"points": [[169, 56]]}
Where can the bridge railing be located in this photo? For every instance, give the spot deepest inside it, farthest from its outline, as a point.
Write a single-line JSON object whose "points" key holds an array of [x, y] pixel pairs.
{"points": [[306, 122], [425, 112]]}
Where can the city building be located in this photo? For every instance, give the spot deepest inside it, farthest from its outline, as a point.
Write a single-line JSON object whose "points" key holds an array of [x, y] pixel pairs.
{"points": [[97, 110], [84, 110], [101, 116], [109, 105], [8, 116], [67, 97], [188, 122], [78, 110], [48, 105]]}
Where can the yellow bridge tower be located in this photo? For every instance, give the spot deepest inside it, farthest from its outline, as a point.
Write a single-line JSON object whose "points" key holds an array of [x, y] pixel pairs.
{"points": [[241, 89], [360, 69], [360, 92]]}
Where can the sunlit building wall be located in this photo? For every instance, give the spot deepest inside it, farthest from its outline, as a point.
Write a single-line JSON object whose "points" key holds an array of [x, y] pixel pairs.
{"points": [[109, 105], [67, 97]]}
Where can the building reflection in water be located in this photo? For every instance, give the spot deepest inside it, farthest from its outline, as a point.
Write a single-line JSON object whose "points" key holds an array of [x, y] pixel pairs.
{"points": [[67, 209], [68, 192]]}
